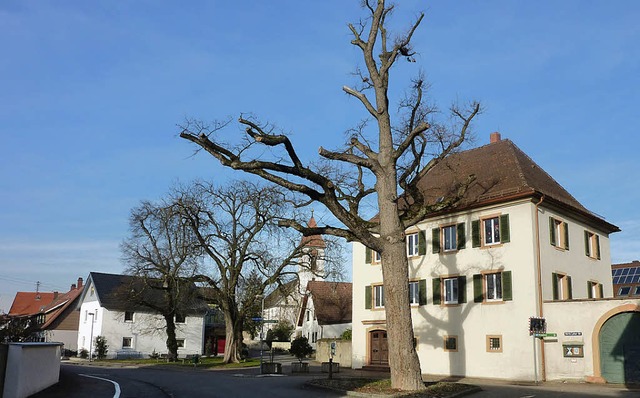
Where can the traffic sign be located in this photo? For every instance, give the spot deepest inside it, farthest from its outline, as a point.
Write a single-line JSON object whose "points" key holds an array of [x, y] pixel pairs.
{"points": [[256, 319], [270, 321], [546, 335]]}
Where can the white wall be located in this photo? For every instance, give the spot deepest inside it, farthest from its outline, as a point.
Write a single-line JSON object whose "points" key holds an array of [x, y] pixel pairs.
{"points": [[67, 337], [31, 367]]}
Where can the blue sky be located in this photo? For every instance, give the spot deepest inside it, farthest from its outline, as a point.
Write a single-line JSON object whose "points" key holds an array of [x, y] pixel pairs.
{"points": [[92, 92]]}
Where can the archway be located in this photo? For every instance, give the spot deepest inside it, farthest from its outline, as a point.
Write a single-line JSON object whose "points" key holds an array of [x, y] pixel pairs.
{"points": [[619, 348]]}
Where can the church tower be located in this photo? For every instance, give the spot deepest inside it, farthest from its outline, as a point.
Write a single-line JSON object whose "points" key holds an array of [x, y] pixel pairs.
{"points": [[311, 266]]}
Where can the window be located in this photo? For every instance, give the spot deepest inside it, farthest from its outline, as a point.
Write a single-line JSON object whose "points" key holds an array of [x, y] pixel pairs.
{"points": [[494, 343], [86, 315], [371, 256], [412, 244], [492, 287], [452, 237], [126, 342], [414, 293], [308, 315], [378, 296], [594, 289], [591, 245], [451, 291], [562, 289], [128, 316], [451, 343], [376, 256], [636, 291], [180, 343], [92, 291], [490, 231], [558, 233], [180, 318], [624, 291]]}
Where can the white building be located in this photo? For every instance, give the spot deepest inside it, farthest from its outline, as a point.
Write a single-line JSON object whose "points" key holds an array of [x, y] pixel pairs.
{"points": [[325, 312], [131, 330], [516, 246]]}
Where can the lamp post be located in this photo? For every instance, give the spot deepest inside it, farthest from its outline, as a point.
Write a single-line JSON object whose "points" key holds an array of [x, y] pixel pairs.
{"points": [[91, 336], [261, 296]]}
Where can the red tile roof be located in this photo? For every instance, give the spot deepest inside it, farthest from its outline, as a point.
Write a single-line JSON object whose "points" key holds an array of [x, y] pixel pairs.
{"points": [[59, 305], [331, 301], [30, 303]]}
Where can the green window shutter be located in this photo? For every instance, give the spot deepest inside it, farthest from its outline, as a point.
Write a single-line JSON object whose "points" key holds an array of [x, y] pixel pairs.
{"points": [[462, 236], [587, 252], [422, 290], [566, 236], [367, 298], [475, 233], [435, 240], [554, 284], [507, 289], [422, 243], [504, 229], [478, 297], [598, 247], [570, 287], [552, 231], [462, 289], [437, 294], [367, 259], [589, 290], [601, 290]]}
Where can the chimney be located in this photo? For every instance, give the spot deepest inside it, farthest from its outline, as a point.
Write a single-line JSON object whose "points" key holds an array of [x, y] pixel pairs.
{"points": [[79, 282], [495, 137], [73, 286], [55, 295]]}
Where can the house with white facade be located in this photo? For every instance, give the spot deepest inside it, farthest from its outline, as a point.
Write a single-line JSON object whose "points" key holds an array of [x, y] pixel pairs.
{"points": [[325, 312], [132, 329], [516, 246]]}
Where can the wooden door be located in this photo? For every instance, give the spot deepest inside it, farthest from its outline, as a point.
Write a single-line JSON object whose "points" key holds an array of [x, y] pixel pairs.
{"points": [[379, 348]]}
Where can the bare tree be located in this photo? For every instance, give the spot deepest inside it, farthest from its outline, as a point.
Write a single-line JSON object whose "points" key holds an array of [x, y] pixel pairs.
{"points": [[408, 145], [246, 252], [162, 253]]}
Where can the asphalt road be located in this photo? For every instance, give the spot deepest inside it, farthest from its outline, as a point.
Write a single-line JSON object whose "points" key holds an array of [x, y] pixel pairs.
{"points": [[79, 381]]}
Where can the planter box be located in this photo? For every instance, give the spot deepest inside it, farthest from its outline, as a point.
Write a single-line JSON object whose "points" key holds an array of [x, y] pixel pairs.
{"points": [[271, 368], [325, 367], [299, 367]]}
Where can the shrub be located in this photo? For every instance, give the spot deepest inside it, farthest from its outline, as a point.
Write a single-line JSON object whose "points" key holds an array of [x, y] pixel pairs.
{"points": [[101, 347], [300, 348], [84, 354], [346, 335], [281, 332], [154, 354]]}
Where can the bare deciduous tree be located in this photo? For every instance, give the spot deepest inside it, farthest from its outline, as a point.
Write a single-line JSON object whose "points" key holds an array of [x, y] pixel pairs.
{"points": [[408, 145], [162, 253]]}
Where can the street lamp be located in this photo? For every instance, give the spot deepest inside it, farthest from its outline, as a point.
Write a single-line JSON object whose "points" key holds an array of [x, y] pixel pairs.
{"points": [[261, 296], [91, 336]]}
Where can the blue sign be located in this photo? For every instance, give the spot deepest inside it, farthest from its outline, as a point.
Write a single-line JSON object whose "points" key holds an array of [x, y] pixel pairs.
{"points": [[257, 319]]}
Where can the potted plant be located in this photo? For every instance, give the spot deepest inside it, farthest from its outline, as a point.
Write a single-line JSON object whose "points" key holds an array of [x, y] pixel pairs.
{"points": [[300, 348]]}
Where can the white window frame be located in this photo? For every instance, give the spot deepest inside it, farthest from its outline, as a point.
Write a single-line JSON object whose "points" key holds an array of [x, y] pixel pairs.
{"points": [[494, 225], [493, 286], [125, 316], [181, 343], [130, 340], [376, 257], [412, 244], [414, 292], [450, 238], [593, 245], [183, 320], [378, 296], [450, 290]]}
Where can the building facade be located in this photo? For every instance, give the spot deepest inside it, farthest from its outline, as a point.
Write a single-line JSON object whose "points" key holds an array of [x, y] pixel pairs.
{"points": [[516, 246]]}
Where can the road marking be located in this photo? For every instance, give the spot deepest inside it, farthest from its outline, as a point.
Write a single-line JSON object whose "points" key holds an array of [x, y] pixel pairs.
{"points": [[116, 385]]}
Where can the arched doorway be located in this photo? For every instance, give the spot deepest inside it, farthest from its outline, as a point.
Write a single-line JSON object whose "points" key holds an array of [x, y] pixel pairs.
{"points": [[619, 341], [379, 348]]}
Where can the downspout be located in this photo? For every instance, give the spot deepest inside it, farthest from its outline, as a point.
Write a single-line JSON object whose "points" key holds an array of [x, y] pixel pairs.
{"points": [[540, 311]]}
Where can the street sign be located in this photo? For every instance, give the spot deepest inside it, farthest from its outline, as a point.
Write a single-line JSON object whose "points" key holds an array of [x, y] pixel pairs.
{"points": [[256, 319], [546, 335], [270, 321]]}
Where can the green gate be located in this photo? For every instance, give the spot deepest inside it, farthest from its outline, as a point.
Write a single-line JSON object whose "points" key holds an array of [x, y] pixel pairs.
{"points": [[620, 348]]}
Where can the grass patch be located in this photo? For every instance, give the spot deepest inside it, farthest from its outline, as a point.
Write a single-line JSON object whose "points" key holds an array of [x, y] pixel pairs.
{"points": [[213, 362], [383, 387]]}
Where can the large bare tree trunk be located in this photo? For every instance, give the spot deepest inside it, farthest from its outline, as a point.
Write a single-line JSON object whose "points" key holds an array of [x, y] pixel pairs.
{"points": [[172, 345], [231, 347]]}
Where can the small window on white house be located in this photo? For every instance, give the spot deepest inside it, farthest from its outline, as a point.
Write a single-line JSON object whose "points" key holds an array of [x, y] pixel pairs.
{"points": [[449, 236], [591, 245], [414, 293], [451, 343], [126, 342], [594, 289], [494, 286], [562, 287], [494, 343], [128, 316], [378, 296], [180, 343], [180, 318], [451, 290], [492, 231], [558, 233], [412, 244]]}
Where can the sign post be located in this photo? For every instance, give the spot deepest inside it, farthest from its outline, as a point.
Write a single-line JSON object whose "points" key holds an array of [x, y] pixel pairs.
{"points": [[537, 328]]}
